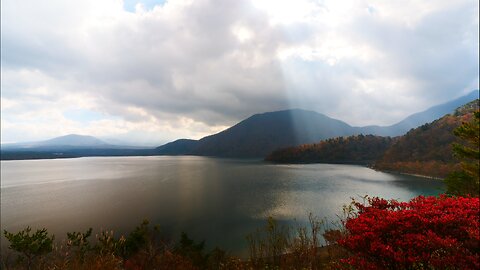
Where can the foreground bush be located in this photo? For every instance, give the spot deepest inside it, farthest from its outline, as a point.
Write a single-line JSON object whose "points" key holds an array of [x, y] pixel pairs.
{"points": [[143, 248], [277, 246], [271, 247], [30, 245], [425, 233]]}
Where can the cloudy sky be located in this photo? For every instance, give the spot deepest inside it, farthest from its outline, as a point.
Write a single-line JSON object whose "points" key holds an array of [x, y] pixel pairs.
{"points": [[153, 71]]}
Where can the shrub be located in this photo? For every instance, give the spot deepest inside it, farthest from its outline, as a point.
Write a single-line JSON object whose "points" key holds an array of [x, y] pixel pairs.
{"points": [[280, 246], [79, 244], [267, 244], [191, 250], [30, 246], [425, 233]]}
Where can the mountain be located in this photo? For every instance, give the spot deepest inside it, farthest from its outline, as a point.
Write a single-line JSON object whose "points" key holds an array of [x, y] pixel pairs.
{"points": [[260, 134], [178, 147], [420, 118], [256, 136], [427, 150], [69, 146], [63, 142], [357, 149], [74, 140]]}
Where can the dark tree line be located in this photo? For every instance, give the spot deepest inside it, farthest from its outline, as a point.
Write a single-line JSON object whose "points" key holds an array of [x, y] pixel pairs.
{"points": [[356, 149]]}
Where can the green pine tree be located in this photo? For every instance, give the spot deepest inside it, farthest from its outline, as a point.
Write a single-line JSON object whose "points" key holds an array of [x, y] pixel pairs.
{"points": [[466, 181]]}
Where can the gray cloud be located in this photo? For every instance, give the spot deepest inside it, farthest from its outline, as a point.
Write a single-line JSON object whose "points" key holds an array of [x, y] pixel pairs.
{"points": [[217, 62]]}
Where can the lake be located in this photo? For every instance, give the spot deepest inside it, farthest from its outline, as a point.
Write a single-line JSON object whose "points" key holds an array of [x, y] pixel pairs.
{"points": [[219, 200]]}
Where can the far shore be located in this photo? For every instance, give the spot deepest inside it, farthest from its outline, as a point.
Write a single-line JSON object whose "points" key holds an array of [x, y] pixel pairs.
{"points": [[410, 174]]}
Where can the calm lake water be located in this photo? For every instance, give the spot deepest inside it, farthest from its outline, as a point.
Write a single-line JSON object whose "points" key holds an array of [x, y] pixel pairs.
{"points": [[220, 200]]}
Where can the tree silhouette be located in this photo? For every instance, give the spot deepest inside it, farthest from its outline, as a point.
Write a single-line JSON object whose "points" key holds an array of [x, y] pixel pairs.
{"points": [[466, 181]]}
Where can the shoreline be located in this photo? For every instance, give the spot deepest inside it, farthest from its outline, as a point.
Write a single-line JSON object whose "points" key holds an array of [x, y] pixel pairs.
{"points": [[410, 174]]}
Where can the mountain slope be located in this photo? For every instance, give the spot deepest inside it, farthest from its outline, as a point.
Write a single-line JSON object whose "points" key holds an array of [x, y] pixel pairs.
{"points": [[427, 150], [262, 133], [178, 147], [420, 118]]}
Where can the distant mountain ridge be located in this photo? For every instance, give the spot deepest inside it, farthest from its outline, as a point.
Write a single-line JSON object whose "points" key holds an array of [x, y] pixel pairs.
{"points": [[68, 146], [260, 134], [67, 141], [420, 118], [75, 140]]}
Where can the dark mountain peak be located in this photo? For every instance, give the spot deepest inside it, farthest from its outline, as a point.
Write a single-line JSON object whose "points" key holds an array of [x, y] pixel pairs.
{"points": [[261, 133], [290, 112], [297, 116]]}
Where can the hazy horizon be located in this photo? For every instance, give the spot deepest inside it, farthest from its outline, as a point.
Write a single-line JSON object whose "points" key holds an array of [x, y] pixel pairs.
{"points": [[112, 140], [152, 71]]}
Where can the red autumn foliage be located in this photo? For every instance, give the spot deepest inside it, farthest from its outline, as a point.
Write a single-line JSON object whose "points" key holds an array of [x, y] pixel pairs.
{"points": [[425, 233]]}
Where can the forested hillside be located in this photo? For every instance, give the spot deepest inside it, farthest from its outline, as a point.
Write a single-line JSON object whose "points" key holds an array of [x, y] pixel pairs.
{"points": [[427, 150], [358, 149]]}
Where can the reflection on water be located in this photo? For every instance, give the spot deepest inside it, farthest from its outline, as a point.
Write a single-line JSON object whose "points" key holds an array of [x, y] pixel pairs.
{"points": [[220, 200]]}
